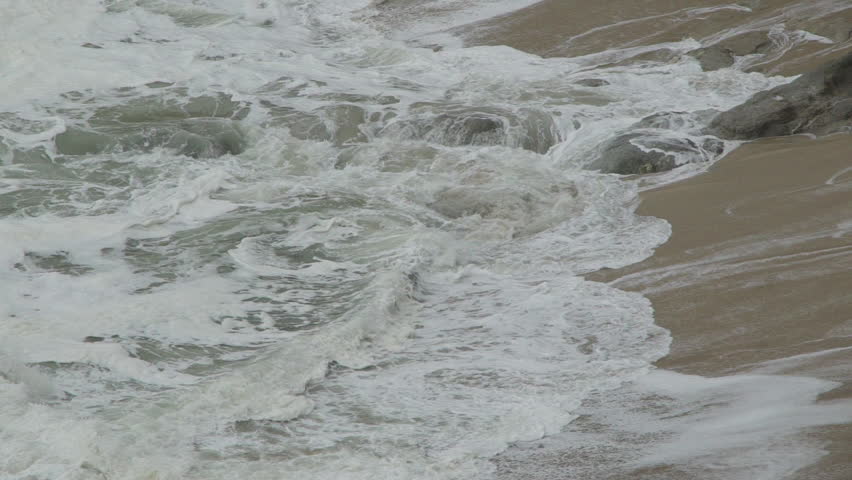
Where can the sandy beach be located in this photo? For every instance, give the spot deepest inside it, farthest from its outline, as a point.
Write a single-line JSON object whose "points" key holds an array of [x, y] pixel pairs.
{"points": [[755, 280], [554, 28], [767, 232], [757, 270]]}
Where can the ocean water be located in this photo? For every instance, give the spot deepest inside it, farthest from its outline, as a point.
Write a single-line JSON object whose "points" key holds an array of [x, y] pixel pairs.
{"points": [[284, 239]]}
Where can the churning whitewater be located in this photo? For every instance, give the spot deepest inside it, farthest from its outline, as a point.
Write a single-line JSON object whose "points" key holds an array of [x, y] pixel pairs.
{"points": [[283, 239]]}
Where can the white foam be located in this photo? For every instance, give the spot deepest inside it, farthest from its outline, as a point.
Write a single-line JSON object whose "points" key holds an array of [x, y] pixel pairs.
{"points": [[757, 412], [391, 309], [735, 427], [837, 176]]}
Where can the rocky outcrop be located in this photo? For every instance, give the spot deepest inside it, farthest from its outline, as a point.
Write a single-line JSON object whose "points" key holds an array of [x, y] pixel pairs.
{"points": [[639, 153], [747, 43], [713, 57], [461, 125], [622, 156], [341, 124], [196, 137], [592, 82], [475, 128], [819, 102], [344, 123], [206, 126]]}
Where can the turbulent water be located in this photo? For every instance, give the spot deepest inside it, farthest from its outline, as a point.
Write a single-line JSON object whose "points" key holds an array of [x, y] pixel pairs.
{"points": [[280, 239]]}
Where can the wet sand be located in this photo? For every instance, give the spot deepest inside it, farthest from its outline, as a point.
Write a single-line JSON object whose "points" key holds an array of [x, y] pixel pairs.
{"points": [[756, 279], [767, 232], [555, 28], [759, 268]]}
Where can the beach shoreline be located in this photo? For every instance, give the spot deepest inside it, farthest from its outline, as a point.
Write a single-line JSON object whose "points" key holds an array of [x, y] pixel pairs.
{"points": [[754, 288], [755, 276], [756, 272], [426, 239]]}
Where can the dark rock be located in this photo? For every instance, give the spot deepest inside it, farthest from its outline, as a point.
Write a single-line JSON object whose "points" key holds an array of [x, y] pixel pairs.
{"points": [[817, 103], [159, 107], [78, 141], [747, 43], [622, 155], [357, 98], [91, 45], [664, 120], [158, 84], [197, 138], [474, 129], [346, 121], [842, 109], [340, 124], [592, 82], [207, 138], [713, 146], [452, 125], [660, 151], [302, 125], [539, 131], [713, 57], [457, 126]]}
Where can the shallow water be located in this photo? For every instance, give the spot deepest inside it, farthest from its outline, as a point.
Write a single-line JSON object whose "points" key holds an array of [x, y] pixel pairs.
{"points": [[247, 239]]}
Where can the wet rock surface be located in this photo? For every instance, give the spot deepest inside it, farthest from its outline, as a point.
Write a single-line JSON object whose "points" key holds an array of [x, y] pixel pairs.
{"points": [[638, 153], [457, 126], [676, 120], [199, 127], [649, 146], [713, 58], [592, 82], [622, 156], [747, 43], [344, 122], [197, 138], [818, 102]]}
